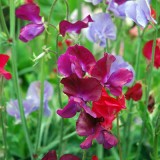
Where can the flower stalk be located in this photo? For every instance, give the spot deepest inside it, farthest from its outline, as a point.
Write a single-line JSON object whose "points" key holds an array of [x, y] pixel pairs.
{"points": [[15, 76]]}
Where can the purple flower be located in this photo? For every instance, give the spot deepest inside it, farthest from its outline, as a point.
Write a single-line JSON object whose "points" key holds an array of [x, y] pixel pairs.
{"points": [[113, 73], [139, 11], [77, 59], [32, 101], [13, 108], [91, 128], [76, 27], [80, 91], [30, 12], [94, 2], [101, 29]]}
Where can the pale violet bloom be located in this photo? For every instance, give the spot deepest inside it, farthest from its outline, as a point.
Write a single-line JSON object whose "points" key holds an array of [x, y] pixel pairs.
{"points": [[137, 10], [101, 29], [94, 2], [32, 100]]}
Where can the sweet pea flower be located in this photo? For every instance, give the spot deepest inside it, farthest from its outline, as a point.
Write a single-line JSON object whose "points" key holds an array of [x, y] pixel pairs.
{"points": [[134, 92], [147, 52], [106, 109], [94, 2], [101, 29], [30, 12], [3, 60], [137, 10], [77, 59], [80, 91], [32, 101], [113, 73], [76, 27], [51, 155]]}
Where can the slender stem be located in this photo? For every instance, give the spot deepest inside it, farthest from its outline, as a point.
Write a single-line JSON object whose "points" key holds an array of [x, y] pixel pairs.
{"points": [[79, 6], [100, 151], [155, 155], [119, 143], [84, 154], [3, 20], [1, 119], [41, 110], [15, 76], [67, 9]]}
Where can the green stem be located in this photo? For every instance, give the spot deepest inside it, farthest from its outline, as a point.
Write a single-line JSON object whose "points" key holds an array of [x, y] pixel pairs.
{"points": [[84, 154], [79, 6], [67, 10], [41, 110], [155, 149], [15, 76], [119, 143], [3, 20], [2, 120], [100, 151]]}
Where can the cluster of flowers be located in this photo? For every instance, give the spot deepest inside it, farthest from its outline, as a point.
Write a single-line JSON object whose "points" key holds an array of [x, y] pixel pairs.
{"points": [[85, 82]]}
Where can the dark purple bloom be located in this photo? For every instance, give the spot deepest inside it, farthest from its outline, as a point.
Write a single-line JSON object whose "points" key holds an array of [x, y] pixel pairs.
{"points": [[112, 73], [32, 101], [91, 128], [138, 10], [30, 12], [94, 2], [80, 91], [51, 155], [101, 29], [76, 27], [77, 59]]}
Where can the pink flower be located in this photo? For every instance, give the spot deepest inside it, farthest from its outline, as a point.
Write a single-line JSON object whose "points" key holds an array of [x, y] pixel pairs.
{"points": [[30, 12], [3, 60]]}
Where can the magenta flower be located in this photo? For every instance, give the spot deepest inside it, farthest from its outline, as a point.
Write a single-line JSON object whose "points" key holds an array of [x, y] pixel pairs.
{"points": [[77, 59], [30, 12], [32, 101], [101, 29], [138, 10], [113, 74], [76, 27], [91, 128], [3, 60], [51, 155], [80, 91]]}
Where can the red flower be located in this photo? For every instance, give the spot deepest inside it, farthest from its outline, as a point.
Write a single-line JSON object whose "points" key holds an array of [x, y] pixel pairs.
{"points": [[3, 60], [29, 1], [147, 52], [135, 92], [108, 107], [68, 42], [94, 158]]}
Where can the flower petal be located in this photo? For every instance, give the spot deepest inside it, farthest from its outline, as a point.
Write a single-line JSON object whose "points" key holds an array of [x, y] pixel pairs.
{"points": [[117, 80], [3, 60], [70, 109], [85, 124], [51, 155], [102, 68], [69, 157], [88, 89], [30, 12], [76, 27], [30, 31]]}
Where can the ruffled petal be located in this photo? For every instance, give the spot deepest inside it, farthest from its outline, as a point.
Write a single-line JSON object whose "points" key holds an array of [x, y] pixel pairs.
{"points": [[76, 27], [70, 109], [30, 12], [117, 80], [30, 31], [88, 89]]}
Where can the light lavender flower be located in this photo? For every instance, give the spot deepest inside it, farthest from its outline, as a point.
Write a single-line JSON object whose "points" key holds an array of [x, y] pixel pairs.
{"points": [[137, 10], [94, 2], [101, 29], [32, 101]]}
